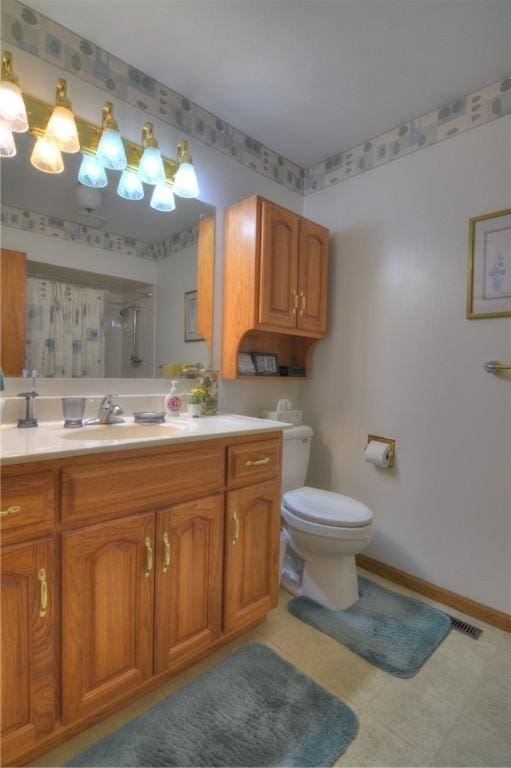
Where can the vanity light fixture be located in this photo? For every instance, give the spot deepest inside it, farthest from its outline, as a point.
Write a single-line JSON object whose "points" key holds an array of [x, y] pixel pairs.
{"points": [[92, 173], [46, 156], [130, 187], [12, 105], [185, 183], [150, 169], [110, 152], [163, 198], [61, 128]]}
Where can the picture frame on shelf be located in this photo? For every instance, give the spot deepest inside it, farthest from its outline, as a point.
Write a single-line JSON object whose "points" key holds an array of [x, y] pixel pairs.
{"points": [[266, 363], [246, 365], [191, 333], [489, 265]]}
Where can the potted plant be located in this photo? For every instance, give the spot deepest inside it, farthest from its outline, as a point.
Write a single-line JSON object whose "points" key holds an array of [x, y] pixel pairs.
{"points": [[195, 400]]}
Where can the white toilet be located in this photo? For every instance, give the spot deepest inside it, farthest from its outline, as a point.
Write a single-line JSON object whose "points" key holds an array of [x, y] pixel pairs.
{"points": [[326, 529]]}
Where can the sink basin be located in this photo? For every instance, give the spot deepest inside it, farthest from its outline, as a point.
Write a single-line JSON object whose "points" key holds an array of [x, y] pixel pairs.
{"points": [[124, 432]]}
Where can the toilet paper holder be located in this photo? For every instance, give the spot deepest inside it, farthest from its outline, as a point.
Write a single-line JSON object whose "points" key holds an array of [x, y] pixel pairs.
{"points": [[390, 441]]}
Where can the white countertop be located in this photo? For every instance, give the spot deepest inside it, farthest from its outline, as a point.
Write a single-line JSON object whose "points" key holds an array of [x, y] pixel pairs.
{"points": [[51, 441]]}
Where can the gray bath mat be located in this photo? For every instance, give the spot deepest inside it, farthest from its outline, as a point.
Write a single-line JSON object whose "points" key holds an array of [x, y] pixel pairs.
{"points": [[392, 631], [254, 709]]}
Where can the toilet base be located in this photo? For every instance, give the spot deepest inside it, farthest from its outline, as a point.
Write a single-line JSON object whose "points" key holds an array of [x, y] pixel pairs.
{"points": [[331, 581]]}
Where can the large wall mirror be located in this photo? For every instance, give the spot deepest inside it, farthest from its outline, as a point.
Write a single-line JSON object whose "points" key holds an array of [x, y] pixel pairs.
{"points": [[96, 285]]}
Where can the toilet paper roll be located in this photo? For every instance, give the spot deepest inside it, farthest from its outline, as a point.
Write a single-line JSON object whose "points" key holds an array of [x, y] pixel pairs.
{"points": [[378, 453]]}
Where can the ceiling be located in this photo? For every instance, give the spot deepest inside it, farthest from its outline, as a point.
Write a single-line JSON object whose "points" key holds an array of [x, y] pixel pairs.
{"points": [[25, 187], [308, 78]]}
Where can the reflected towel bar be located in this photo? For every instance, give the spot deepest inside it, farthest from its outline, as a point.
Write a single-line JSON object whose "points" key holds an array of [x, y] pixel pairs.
{"points": [[493, 366]]}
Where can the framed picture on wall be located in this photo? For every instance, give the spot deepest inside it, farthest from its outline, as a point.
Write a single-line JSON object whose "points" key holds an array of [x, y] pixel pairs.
{"points": [[489, 265], [191, 317]]}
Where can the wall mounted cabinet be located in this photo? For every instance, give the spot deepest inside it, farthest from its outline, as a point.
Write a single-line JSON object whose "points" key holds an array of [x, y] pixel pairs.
{"points": [[275, 283]]}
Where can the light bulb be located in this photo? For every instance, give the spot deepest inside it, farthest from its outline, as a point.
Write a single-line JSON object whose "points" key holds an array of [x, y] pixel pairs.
{"points": [[92, 173], [150, 169], [62, 131], [110, 152], [7, 144], [185, 183], [12, 107], [163, 198], [46, 156], [130, 187]]}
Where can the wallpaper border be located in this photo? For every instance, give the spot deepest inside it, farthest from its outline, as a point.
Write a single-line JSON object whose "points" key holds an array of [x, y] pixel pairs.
{"points": [[53, 226]]}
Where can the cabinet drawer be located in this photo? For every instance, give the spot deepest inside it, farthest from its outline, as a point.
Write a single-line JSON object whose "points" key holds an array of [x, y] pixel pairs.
{"points": [[28, 506], [119, 486], [251, 462]]}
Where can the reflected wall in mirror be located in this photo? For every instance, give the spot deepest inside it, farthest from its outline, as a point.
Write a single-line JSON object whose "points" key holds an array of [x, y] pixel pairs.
{"points": [[94, 284]]}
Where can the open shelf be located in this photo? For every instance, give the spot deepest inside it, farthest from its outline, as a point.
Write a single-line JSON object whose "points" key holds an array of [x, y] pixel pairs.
{"points": [[290, 350]]}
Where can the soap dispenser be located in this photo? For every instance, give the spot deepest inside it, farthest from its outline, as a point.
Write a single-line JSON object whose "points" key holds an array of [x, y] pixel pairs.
{"points": [[172, 401]]}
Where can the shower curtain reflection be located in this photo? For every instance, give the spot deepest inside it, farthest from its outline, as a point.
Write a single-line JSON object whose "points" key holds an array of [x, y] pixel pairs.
{"points": [[64, 329]]}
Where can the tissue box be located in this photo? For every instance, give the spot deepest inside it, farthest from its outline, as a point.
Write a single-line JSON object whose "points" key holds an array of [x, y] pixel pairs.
{"points": [[289, 417]]}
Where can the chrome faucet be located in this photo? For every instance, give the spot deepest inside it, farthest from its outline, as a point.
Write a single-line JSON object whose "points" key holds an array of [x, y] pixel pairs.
{"points": [[29, 420], [108, 412]]}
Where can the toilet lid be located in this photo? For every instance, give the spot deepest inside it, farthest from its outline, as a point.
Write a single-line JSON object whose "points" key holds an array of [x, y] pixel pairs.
{"points": [[327, 507]]}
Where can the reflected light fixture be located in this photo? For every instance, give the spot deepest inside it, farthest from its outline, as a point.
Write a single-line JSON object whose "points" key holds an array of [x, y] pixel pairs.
{"points": [[92, 173], [150, 169], [46, 156], [163, 198], [130, 187], [110, 152], [7, 144], [61, 128], [185, 183], [12, 106]]}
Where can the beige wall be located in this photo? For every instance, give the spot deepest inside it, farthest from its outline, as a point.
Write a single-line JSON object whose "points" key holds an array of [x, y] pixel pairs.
{"points": [[401, 360]]}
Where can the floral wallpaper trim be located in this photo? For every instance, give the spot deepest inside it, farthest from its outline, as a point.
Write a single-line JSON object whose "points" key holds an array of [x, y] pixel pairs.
{"points": [[53, 226], [35, 33], [451, 119]]}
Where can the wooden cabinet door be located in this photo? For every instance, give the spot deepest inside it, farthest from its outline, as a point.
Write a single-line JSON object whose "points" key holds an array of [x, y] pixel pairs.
{"points": [[27, 646], [12, 296], [188, 607], [278, 275], [252, 553], [107, 612], [312, 277]]}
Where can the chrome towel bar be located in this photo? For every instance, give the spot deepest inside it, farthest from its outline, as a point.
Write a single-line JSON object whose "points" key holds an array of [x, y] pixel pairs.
{"points": [[493, 366]]}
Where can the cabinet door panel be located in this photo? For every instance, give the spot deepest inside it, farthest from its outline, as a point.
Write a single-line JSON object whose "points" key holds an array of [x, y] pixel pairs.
{"points": [[13, 265], [189, 579], [278, 266], [107, 607], [27, 646], [252, 553], [312, 277]]}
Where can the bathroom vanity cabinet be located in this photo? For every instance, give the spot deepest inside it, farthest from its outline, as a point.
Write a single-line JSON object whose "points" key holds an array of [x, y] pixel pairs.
{"points": [[275, 283], [119, 569]]}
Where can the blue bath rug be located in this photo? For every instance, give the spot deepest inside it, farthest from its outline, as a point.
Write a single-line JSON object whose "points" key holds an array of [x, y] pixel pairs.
{"points": [[254, 709], [392, 631]]}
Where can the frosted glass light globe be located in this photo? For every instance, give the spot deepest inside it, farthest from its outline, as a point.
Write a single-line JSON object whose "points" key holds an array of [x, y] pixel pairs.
{"points": [[185, 183], [62, 131], [12, 107], [46, 156], [7, 144]]}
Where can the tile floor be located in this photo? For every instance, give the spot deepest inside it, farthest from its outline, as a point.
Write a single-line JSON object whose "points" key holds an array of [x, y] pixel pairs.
{"points": [[455, 712]]}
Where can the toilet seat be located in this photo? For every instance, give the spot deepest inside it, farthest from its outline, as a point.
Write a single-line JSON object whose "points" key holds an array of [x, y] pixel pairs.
{"points": [[325, 508]]}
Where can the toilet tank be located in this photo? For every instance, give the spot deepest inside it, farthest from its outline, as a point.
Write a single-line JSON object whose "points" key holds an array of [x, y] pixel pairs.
{"points": [[295, 456]]}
